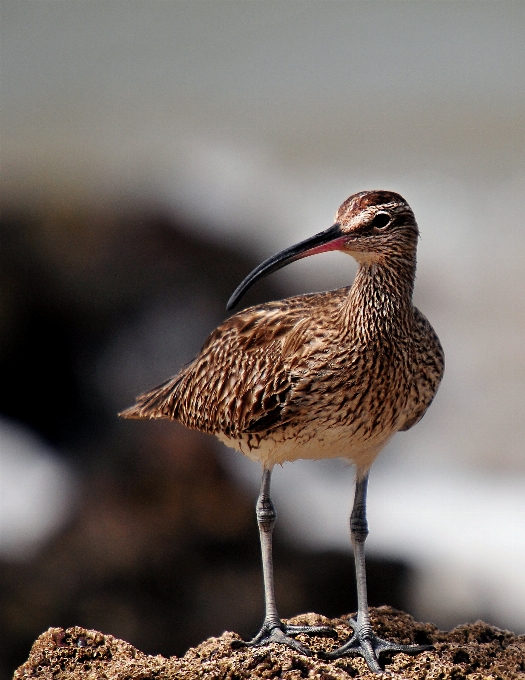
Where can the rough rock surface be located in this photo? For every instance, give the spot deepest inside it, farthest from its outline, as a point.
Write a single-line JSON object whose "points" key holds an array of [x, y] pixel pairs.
{"points": [[471, 652]]}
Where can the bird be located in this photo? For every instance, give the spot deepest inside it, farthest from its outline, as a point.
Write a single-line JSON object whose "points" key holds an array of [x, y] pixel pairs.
{"points": [[321, 375]]}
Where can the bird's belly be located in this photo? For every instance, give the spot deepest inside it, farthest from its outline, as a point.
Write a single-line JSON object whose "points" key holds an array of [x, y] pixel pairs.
{"points": [[312, 444]]}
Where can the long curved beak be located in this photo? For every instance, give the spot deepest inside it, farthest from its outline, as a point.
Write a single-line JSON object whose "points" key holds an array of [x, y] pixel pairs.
{"points": [[330, 239]]}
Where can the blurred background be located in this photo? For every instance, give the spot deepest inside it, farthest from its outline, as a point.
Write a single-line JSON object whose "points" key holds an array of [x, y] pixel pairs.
{"points": [[152, 154]]}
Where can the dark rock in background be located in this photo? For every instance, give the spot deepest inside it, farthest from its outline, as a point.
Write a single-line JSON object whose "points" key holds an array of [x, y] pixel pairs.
{"points": [[162, 548]]}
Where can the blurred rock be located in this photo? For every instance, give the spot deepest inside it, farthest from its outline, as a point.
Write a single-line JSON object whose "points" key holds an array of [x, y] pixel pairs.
{"points": [[161, 545], [73, 279], [164, 552]]}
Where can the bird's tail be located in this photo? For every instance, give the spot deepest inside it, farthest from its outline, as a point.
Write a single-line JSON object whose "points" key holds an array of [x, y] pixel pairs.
{"points": [[160, 402]]}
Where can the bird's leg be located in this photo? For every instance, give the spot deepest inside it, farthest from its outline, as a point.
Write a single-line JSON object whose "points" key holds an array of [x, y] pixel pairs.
{"points": [[363, 641], [273, 629]]}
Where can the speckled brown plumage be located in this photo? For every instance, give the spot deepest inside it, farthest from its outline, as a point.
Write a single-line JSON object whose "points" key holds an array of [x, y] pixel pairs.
{"points": [[332, 374], [319, 376]]}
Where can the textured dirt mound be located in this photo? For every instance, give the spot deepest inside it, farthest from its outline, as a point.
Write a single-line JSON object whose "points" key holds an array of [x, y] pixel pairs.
{"points": [[474, 652]]}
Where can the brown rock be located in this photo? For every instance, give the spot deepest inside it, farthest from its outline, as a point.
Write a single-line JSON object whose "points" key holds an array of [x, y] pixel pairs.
{"points": [[475, 651]]}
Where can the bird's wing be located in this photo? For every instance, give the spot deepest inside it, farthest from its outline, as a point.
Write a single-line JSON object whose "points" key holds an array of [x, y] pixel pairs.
{"points": [[242, 378], [431, 366]]}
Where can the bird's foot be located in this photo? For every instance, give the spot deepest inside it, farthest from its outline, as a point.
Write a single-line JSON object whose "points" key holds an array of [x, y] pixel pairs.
{"points": [[283, 634], [366, 644]]}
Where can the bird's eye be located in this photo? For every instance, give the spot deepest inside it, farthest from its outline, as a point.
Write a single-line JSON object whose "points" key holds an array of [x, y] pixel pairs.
{"points": [[381, 220]]}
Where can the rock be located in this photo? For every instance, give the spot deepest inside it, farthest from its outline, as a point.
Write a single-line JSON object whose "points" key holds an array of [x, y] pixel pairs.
{"points": [[475, 651]]}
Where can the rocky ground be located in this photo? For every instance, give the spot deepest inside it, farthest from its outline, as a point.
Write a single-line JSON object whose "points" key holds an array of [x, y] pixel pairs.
{"points": [[475, 651]]}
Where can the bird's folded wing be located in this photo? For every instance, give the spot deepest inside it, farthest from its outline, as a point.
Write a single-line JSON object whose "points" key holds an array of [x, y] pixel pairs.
{"points": [[242, 380], [430, 366]]}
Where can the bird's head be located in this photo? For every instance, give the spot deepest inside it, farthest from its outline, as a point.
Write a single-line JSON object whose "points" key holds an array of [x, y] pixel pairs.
{"points": [[370, 226], [375, 224]]}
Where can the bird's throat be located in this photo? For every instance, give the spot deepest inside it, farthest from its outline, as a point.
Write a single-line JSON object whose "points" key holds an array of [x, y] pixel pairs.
{"points": [[381, 296]]}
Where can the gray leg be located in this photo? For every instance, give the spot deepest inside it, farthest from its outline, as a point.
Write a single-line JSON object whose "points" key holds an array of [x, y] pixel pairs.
{"points": [[273, 629], [364, 642]]}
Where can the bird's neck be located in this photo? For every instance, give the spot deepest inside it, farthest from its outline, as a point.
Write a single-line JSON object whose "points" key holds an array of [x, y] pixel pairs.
{"points": [[381, 295]]}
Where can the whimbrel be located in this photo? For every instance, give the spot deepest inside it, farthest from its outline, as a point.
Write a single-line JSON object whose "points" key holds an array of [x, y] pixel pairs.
{"points": [[324, 375]]}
